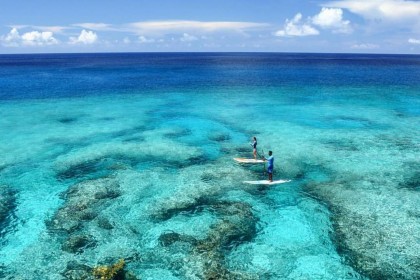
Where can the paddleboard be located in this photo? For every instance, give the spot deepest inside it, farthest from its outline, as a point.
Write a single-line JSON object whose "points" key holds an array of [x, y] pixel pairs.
{"points": [[266, 182], [248, 160]]}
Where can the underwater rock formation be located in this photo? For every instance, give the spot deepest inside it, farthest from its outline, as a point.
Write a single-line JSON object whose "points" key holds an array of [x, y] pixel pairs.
{"points": [[83, 202], [97, 167], [237, 224], [219, 136], [7, 204], [178, 132], [115, 271], [110, 272], [178, 206], [77, 243], [76, 225], [77, 271], [67, 120], [376, 239]]}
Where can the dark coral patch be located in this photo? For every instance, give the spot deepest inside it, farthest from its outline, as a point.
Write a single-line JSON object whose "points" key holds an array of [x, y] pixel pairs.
{"points": [[170, 238], [67, 120], [76, 271], [237, 224], [84, 202], [96, 168], [218, 136], [79, 170], [78, 243], [412, 181], [341, 145], [107, 119], [178, 133], [105, 224], [7, 206]]}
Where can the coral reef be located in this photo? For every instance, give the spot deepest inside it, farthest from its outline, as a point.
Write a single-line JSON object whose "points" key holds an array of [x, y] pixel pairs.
{"points": [[97, 167], [115, 271], [67, 120], [83, 203], [7, 202], [219, 136], [237, 225], [77, 243], [7, 207], [364, 235], [77, 271], [109, 272]]}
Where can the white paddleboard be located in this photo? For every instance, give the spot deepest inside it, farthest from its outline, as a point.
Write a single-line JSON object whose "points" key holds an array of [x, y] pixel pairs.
{"points": [[248, 160], [266, 182]]}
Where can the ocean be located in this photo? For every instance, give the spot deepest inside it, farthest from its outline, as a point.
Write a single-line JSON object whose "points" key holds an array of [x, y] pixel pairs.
{"points": [[129, 156]]}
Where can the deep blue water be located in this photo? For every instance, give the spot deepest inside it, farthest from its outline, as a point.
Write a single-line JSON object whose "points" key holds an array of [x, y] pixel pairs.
{"points": [[130, 156], [68, 75]]}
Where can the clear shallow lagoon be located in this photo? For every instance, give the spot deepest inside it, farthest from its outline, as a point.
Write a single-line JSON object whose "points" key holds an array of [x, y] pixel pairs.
{"points": [[110, 156]]}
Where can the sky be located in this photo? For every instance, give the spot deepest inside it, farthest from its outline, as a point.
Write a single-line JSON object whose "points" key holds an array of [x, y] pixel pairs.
{"points": [[340, 26]]}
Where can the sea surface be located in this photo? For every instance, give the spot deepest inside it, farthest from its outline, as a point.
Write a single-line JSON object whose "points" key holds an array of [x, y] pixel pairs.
{"points": [[105, 157]]}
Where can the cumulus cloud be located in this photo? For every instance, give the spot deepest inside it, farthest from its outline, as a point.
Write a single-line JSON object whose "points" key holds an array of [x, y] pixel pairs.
{"points": [[332, 18], [382, 10], [38, 38], [32, 38], [12, 39], [365, 46], [188, 38], [145, 40], [414, 41], [295, 27], [85, 37]]}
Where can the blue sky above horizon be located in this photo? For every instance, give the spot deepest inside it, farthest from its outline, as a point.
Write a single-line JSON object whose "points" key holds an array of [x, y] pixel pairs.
{"points": [[350, 26]]}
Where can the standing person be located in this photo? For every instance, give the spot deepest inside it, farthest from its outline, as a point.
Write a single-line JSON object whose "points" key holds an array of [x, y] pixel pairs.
{"points": [[270, 167], [254, 146]]}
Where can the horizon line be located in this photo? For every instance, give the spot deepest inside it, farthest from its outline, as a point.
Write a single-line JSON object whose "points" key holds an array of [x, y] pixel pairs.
{"points": [[208, 52]]}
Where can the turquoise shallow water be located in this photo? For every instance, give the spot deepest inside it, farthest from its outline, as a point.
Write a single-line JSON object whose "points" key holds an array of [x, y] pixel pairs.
{"points": [[144, 172]]}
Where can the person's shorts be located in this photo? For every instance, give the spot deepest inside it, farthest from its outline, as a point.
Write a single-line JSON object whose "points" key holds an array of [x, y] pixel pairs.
{"points": [[270, 169]]}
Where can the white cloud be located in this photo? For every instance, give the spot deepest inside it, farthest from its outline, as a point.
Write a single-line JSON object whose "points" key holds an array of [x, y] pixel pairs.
{"points": [[32, 38], [166, 27], [414, 41], [96, 26], [54, 29], [12, 39], [332, 18], [365, 46], [50, 28], [385, 10], [188, 38], [85, 37], [294, 27], [126, 40], [145, 40], [36, 38]]}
